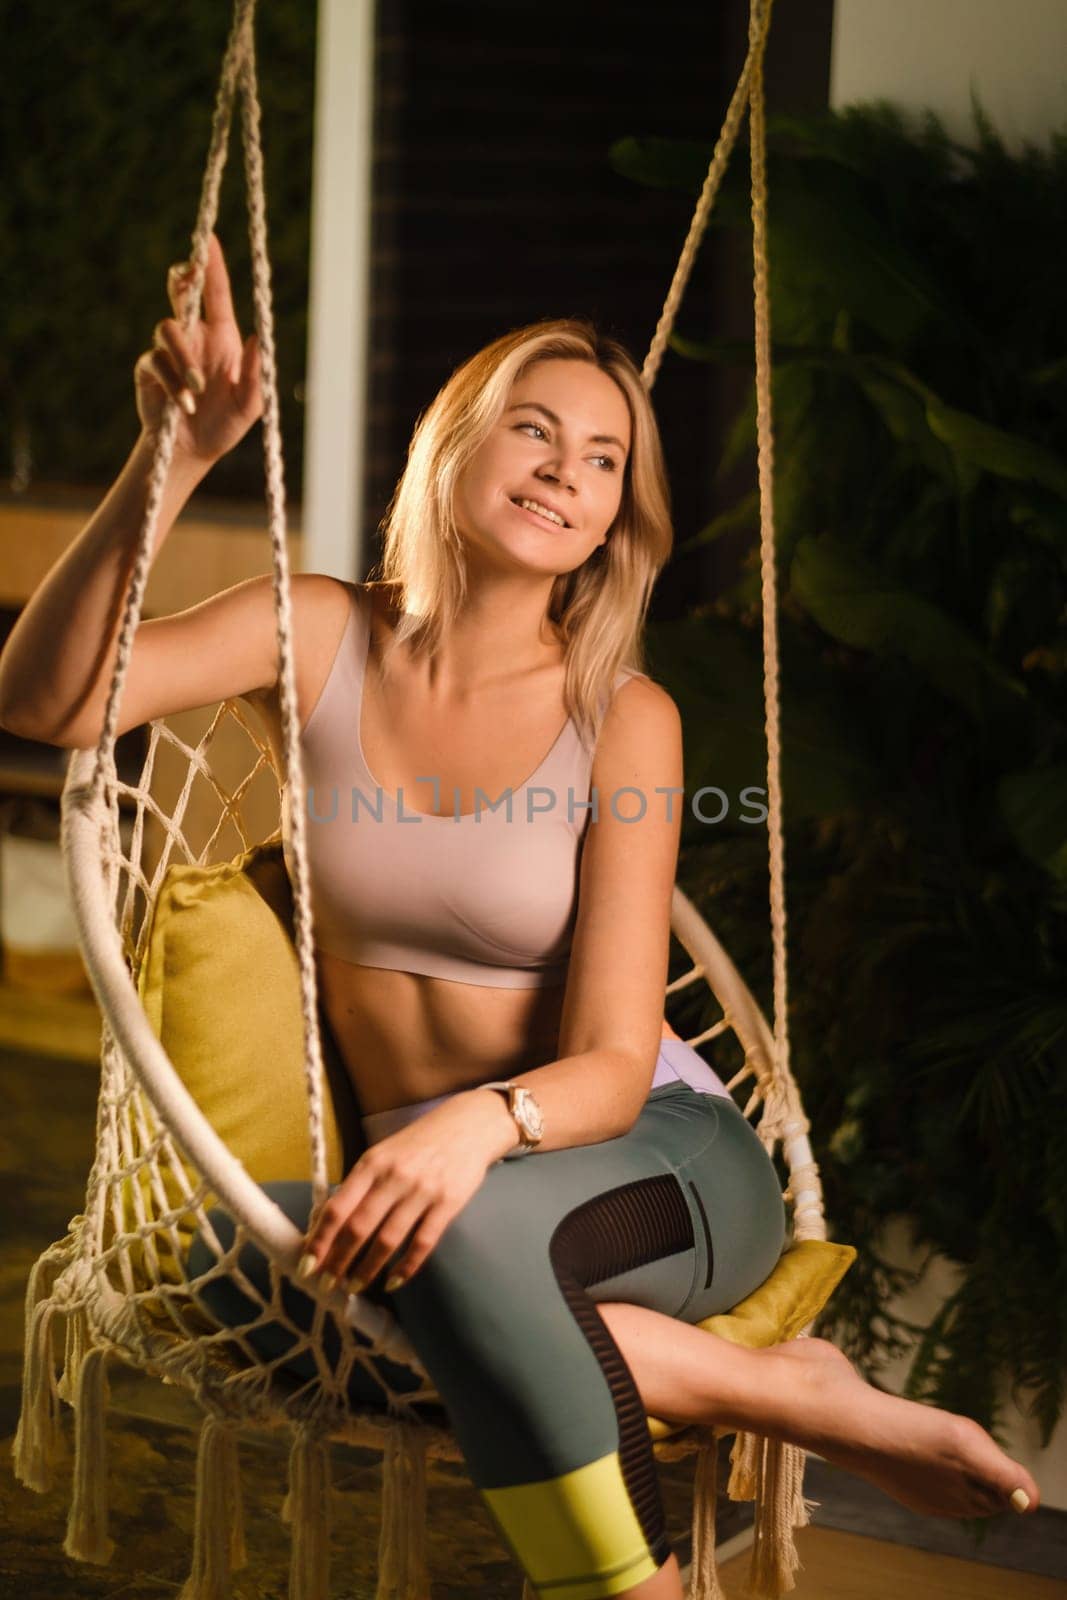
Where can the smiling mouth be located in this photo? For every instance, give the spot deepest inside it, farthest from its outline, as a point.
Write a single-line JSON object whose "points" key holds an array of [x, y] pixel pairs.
{"points": [[517, 503]]}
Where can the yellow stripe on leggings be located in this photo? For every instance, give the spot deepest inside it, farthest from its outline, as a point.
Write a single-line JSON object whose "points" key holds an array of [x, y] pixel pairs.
{"points": [[577, 1536]]}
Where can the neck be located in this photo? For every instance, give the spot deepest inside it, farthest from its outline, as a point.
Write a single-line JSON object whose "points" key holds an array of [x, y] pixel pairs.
{"points": [[502, 630]]}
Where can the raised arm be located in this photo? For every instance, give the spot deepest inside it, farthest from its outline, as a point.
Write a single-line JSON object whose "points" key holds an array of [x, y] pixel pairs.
{"points": [[57, 663]]}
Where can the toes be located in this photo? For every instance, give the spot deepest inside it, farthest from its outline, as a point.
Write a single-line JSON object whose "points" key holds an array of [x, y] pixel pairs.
{"points": [[992, 1476], [986, 1501]]}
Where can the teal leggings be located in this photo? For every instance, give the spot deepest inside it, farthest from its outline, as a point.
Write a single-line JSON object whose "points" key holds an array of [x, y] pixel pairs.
{"points": [[682, 1214]]}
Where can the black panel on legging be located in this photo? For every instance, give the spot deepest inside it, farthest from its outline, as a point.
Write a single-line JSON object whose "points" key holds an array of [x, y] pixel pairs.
{"points": [[612, 1233]]}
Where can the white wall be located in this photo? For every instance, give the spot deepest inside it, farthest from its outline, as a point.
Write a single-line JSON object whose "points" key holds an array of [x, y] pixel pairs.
{"points": [[929, 53], [336, 388]]}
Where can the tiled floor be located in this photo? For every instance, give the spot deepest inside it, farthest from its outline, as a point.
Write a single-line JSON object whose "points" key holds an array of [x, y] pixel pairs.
{"points": [[45, 1153]]}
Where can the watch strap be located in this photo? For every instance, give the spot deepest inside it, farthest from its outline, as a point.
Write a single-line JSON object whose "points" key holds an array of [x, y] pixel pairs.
{"points": [[525, 1145]]}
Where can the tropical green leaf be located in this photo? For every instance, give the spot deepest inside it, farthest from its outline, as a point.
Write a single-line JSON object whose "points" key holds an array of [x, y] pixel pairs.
{"points": [[1034, 806], [1050, 372], [745, 514], [663, 163], [740, 440], [994, 450], [1043, 516], [905, 416], [921, 523], [735, 352], [713, 669], [981, 444], [869, 610]]}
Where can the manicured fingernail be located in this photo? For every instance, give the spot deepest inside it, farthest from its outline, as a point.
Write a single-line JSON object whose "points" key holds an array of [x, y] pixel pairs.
{"points": [[1020, 1499], [186, 401], [327, 1280], [357, 1285], [394, 1283], [306, 1266], [195, 379]]}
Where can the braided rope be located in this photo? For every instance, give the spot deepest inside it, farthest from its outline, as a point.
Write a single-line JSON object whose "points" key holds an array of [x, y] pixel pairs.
{"points": [[782, 1111], [290, 723], [759, 25], [239, 69], [782, 1114]]}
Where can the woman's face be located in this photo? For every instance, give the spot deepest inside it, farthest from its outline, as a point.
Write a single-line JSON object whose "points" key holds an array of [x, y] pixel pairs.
{"points": [[562, 441]]}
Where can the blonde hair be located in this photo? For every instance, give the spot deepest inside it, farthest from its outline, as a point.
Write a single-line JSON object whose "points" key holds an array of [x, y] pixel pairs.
{"points": [[600, 607]]}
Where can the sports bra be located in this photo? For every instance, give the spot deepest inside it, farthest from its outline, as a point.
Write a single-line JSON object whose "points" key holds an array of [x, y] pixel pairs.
{"points": [[488, 898]]}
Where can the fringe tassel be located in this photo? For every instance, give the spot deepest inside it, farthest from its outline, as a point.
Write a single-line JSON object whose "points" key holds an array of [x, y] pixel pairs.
{"points": [[39, 1445], [704, 1572], [218, 1537], [78, 1344], [87, 1538], [744, 1466], [307, 1508], [780, 1507], [402, 1564]]}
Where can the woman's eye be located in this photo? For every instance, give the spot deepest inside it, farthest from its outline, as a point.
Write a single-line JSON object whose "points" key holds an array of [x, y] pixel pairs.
{"points": [[609, 460]]}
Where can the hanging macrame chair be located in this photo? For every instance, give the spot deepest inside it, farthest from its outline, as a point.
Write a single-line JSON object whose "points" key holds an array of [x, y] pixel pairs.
{"points": [[119, 1278]]}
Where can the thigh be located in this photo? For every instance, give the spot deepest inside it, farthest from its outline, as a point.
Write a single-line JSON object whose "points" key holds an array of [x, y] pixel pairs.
{"points": [[502, 1311], [740, 1223], [503, 1316]]}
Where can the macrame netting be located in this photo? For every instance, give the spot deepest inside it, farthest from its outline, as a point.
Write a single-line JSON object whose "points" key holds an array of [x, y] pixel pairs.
{"points": [[117, 1280]]}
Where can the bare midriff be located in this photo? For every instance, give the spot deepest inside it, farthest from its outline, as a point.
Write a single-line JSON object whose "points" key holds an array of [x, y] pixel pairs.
{"points": [[405, 1036], [408, 1036]]}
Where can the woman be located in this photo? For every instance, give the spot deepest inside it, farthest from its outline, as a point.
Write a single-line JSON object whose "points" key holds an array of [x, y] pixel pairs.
{"points": [[495, 977]]}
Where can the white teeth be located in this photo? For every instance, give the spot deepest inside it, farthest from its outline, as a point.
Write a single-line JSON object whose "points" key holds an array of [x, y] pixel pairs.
{"points": [[543, 511]]}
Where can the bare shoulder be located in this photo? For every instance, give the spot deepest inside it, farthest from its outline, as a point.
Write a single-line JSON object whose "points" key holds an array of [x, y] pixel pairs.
{"points": [[321, 606], [641, 736], [321, 603], [383, 597]]}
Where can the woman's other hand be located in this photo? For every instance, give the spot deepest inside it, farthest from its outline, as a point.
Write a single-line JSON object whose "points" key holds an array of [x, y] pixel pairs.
{"points": [[407, 1187], [209, 370]]}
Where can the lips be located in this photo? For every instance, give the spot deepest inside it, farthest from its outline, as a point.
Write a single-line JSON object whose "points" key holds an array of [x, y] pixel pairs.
{"points": [[546, 503]]}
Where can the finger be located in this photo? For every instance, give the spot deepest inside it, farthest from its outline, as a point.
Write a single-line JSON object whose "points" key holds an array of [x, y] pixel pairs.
{"points": [[368, 1234], [422, 1245], [348, 1198], [168, 336], [390, 1240], [156, 364], [218, 301]]}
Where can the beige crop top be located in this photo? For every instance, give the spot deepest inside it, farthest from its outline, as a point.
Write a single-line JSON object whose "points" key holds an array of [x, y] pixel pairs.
{"points": [[489, 898]]}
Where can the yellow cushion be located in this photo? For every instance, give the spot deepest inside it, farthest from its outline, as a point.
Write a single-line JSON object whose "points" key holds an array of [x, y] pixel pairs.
{"points": [[220, 986], [801, 1283]]}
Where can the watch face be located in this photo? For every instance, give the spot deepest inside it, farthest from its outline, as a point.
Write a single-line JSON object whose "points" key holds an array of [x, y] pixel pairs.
{"points": [[530, 1115]]}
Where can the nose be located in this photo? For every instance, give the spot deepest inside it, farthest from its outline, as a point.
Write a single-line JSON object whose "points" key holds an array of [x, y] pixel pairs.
{"points": [[562, 472]]}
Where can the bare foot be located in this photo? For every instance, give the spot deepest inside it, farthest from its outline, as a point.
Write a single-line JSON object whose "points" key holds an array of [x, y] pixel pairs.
{"points": [[932, 1461]]}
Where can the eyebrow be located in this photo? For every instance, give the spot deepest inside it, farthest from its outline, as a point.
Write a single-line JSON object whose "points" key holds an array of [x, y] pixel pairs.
{"points": [[594, 438]]}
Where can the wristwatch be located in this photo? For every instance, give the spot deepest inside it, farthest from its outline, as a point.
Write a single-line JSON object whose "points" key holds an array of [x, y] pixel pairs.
{"points": [[527, 1115]]}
